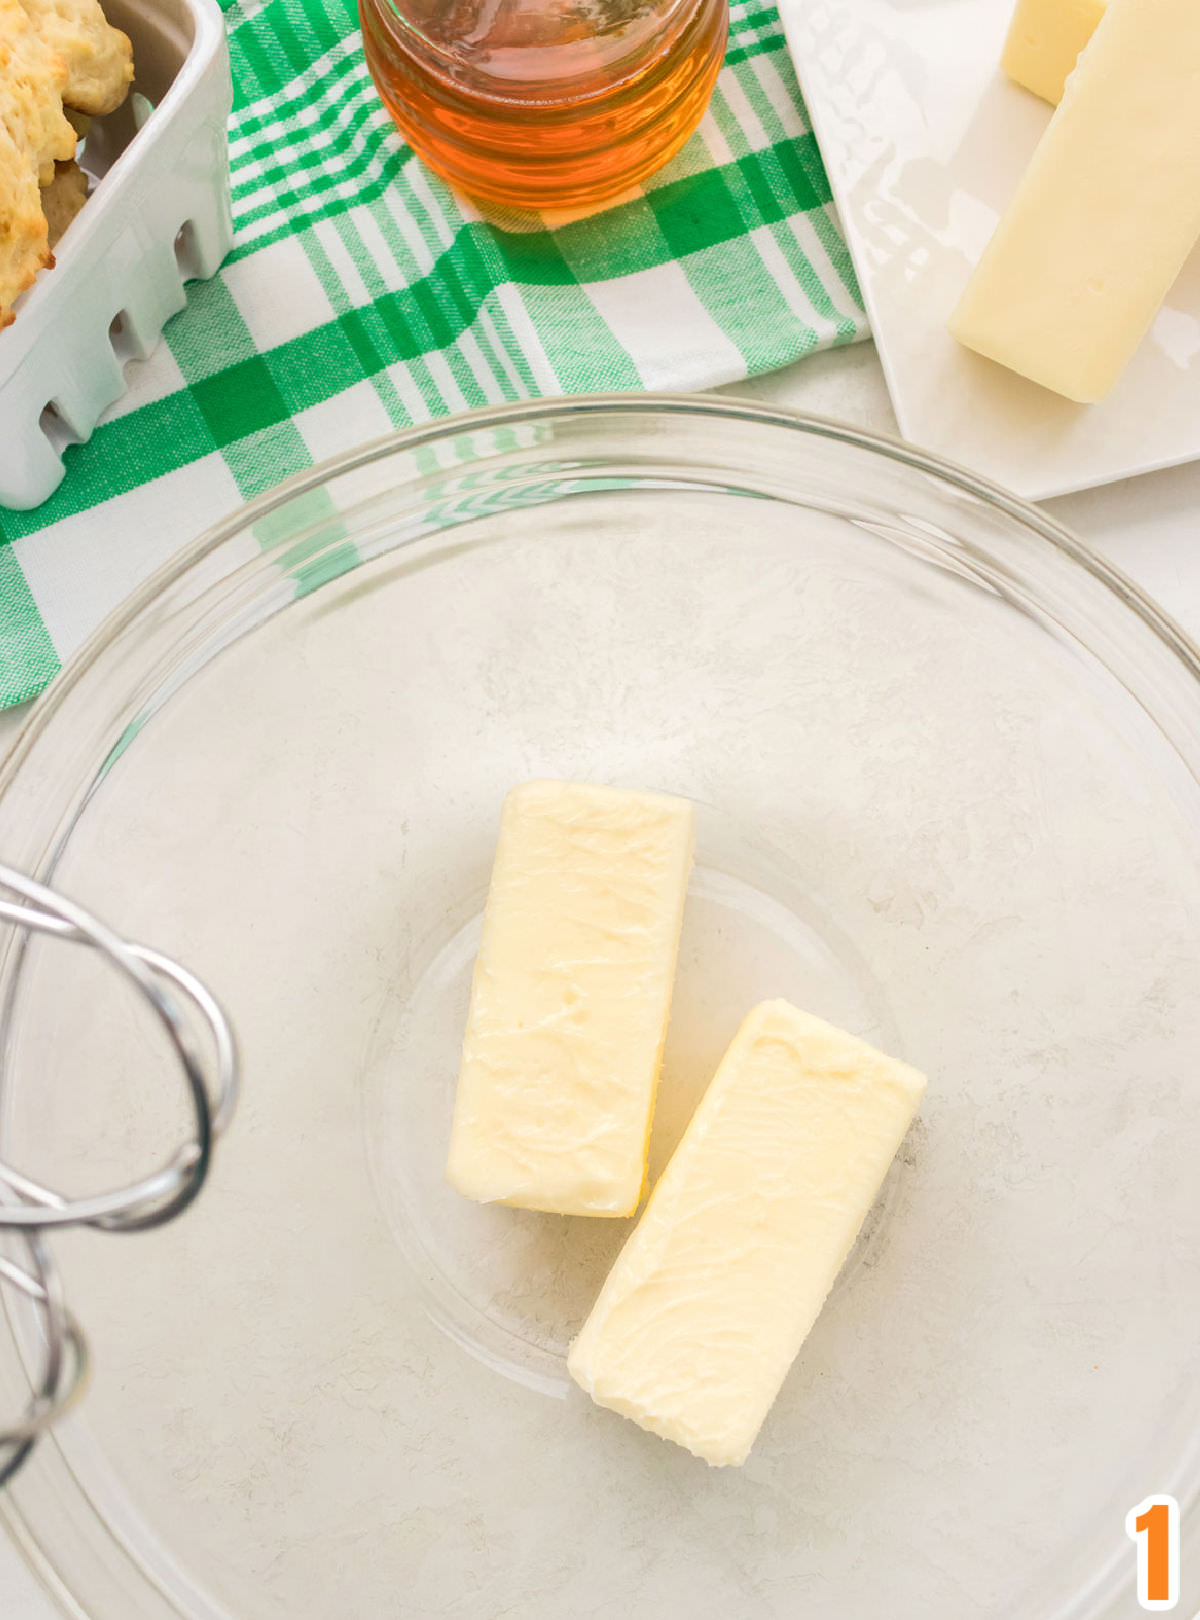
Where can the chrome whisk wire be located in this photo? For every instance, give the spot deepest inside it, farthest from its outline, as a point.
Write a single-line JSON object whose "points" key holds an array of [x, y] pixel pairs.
{"points": [[28, 1210]]}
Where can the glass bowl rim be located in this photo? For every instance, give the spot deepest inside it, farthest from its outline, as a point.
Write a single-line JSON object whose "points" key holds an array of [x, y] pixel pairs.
{"points": [[16, 1530], [1162, 625]]}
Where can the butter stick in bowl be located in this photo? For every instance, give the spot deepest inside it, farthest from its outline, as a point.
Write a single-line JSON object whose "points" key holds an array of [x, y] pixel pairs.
{"points": [[570, 998], [725, 1274]]}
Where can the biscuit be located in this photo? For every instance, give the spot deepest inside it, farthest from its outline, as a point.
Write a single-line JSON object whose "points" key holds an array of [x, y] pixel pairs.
{"points": [[32, 78], [24, 240], [63, 198], [98, 57]]}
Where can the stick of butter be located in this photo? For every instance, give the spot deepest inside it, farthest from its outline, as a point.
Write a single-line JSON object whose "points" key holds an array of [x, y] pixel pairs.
{"points": [[1106, 213], [570, 999], [1044, 41], [712, 1296]]}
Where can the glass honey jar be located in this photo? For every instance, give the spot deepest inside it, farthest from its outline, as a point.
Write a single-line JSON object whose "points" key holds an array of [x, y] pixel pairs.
{"points": [[545, 103]]}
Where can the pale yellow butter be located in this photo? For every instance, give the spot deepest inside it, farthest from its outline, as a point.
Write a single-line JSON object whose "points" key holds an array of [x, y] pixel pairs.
{"points": [[1106, 213], [570, 998], [1044, 42], [727, 1270]]}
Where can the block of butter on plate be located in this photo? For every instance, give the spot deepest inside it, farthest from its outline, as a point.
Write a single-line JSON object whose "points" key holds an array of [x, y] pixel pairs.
{"points": [[721, 1280], [1106, 213], [570, 999], [1044, 41]]}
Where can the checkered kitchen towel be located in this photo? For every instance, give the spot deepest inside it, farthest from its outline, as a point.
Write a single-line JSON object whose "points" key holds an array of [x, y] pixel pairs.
{"points": [[362, 295]]}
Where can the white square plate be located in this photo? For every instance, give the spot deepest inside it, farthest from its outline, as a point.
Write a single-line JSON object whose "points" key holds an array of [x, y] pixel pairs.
{"points": [[925, 140]]}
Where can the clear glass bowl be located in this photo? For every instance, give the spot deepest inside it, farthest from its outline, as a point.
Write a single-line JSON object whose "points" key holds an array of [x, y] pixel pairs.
{"points": [[946, 763]]}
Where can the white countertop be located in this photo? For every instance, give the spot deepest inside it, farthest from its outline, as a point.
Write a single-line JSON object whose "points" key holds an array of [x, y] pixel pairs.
{"points": [[1149, 527]]}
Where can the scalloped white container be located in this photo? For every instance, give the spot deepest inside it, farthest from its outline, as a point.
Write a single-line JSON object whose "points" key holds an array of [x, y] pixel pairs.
{"points": [[159, 216]]}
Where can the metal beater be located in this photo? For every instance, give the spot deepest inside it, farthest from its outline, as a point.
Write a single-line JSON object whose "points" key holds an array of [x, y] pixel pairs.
{"points": [[30, 1210]]}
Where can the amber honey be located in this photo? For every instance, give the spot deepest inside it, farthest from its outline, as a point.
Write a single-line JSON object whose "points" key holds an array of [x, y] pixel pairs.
{"points": [[545, 103]]}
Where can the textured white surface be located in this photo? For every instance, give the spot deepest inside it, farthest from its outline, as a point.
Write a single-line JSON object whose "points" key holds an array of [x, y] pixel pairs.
{"points": [[925, 140], [20, 1598]]}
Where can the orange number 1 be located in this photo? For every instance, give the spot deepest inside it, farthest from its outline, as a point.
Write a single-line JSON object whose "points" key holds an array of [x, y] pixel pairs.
{"points": [[1154, 1526]]}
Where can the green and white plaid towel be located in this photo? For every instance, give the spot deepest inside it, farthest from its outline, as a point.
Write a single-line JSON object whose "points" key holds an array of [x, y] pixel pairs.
{"points": [[362, 295]]}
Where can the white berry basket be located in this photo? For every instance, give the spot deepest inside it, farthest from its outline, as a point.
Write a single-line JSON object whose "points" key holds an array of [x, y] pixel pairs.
{"points": [[158, 216]]}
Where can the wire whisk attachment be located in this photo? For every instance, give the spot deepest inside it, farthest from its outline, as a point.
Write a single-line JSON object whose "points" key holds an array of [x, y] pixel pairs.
{"points": [[29, 1210]]}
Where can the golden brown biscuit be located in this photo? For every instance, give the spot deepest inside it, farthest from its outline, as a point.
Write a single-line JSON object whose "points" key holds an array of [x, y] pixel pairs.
{"points": [[24, 244], [63, 198], [98, 57], [32, 78]]}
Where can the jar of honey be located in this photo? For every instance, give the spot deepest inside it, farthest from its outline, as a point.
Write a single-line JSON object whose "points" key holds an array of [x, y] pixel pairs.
{"points": [[545, 103]]}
